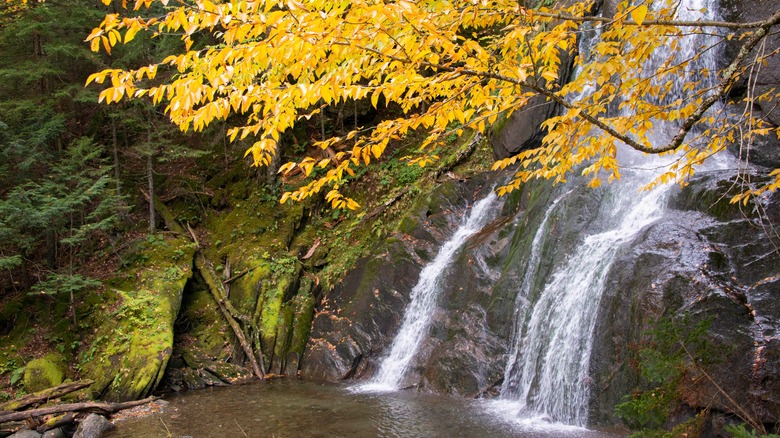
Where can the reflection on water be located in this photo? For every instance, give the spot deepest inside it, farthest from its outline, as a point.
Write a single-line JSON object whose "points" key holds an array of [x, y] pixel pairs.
{"points": [[290, 408]]}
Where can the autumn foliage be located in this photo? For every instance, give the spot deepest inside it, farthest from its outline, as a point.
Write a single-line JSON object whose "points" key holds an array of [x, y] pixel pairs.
{"points": [[450, 65]]}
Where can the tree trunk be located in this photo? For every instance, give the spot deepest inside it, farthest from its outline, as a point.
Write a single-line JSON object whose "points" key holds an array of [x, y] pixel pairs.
{"points": [[97, 407], [44, 395], [150, 179], [116, 158], [273, 167]]}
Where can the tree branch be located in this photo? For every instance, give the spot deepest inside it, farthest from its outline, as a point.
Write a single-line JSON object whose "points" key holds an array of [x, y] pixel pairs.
{"points": [[99, 407], [676, 23], [729, 77]]}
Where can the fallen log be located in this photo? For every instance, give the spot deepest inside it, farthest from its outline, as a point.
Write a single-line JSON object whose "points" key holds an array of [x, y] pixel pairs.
{"points": [[44, 395], [206, 270], [461, 156], [104, 408]]}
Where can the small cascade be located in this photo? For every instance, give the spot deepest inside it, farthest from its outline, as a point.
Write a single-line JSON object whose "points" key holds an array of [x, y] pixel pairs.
{"points": [[422, 306], [521, 301], [547, 373]]}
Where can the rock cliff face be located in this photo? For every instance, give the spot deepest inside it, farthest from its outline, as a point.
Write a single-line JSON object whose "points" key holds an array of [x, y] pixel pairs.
{"points": [[710, 261], [360, 316], [705, 258]]}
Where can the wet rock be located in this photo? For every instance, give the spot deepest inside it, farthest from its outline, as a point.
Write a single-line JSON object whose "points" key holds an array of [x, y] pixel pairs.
{"points": [[54, 433], [360, 317], [93, 426], [522, 130], [26, 434], [767, 76], [716, 264]]}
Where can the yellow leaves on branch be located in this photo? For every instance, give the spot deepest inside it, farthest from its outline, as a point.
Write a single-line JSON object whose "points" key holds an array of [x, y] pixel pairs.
{"points": [[449, 65]]}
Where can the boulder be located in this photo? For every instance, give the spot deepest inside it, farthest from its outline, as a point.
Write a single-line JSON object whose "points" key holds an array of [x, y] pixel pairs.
{"points": [[25, 434], [55, 433], [43, 373], [93, 426], [131, 349]]}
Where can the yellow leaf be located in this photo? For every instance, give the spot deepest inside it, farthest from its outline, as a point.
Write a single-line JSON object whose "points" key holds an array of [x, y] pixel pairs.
{"points": [[130, 34], [638, 14]]}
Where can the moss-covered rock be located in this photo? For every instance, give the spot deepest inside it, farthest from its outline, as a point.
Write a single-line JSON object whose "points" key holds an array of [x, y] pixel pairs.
{"points": [[46, 372], [128, 354]]}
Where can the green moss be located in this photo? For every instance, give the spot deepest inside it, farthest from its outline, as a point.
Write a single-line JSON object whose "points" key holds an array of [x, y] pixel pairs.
{"points": [[407, 225], [284, 331], [205, 324], [303, 316], [43, 373], [128, 355], [252, 224], [246, 290]]}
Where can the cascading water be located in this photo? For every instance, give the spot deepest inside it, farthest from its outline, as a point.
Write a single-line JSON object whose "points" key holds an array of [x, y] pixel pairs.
{"points": [[550, 375], [521, 301], [547, 372], [419, 312]]}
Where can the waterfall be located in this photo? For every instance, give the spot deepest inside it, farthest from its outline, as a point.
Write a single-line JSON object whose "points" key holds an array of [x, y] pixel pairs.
{"points": [[551, 375], [521, 300], [547, 372], [422, 305]]}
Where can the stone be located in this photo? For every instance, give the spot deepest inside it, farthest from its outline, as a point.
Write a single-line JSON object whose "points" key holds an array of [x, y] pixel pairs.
{"points": [[93, 426], [54, 433], [522, 130], [131, 349], [26, 434], [768, 75], [43, 373]]}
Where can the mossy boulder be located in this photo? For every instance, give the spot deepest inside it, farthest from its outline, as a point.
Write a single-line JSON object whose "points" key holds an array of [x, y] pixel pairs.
{"points": [[129, 353], [43, 373]]}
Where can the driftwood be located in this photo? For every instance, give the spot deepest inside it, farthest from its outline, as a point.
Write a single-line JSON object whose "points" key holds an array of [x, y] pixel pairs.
{"points": [[96, 407], [311, 250], [460, 156], [56, 422], [216, 288], [237, 276], [44, 396]]}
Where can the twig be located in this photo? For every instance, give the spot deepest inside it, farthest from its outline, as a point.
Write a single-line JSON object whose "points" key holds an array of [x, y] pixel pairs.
{"points": [[742, 413], [165, 426], [241, 429]]}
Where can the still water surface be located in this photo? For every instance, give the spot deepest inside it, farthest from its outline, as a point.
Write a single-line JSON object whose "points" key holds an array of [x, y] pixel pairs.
{"points": [[291, 408]]}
